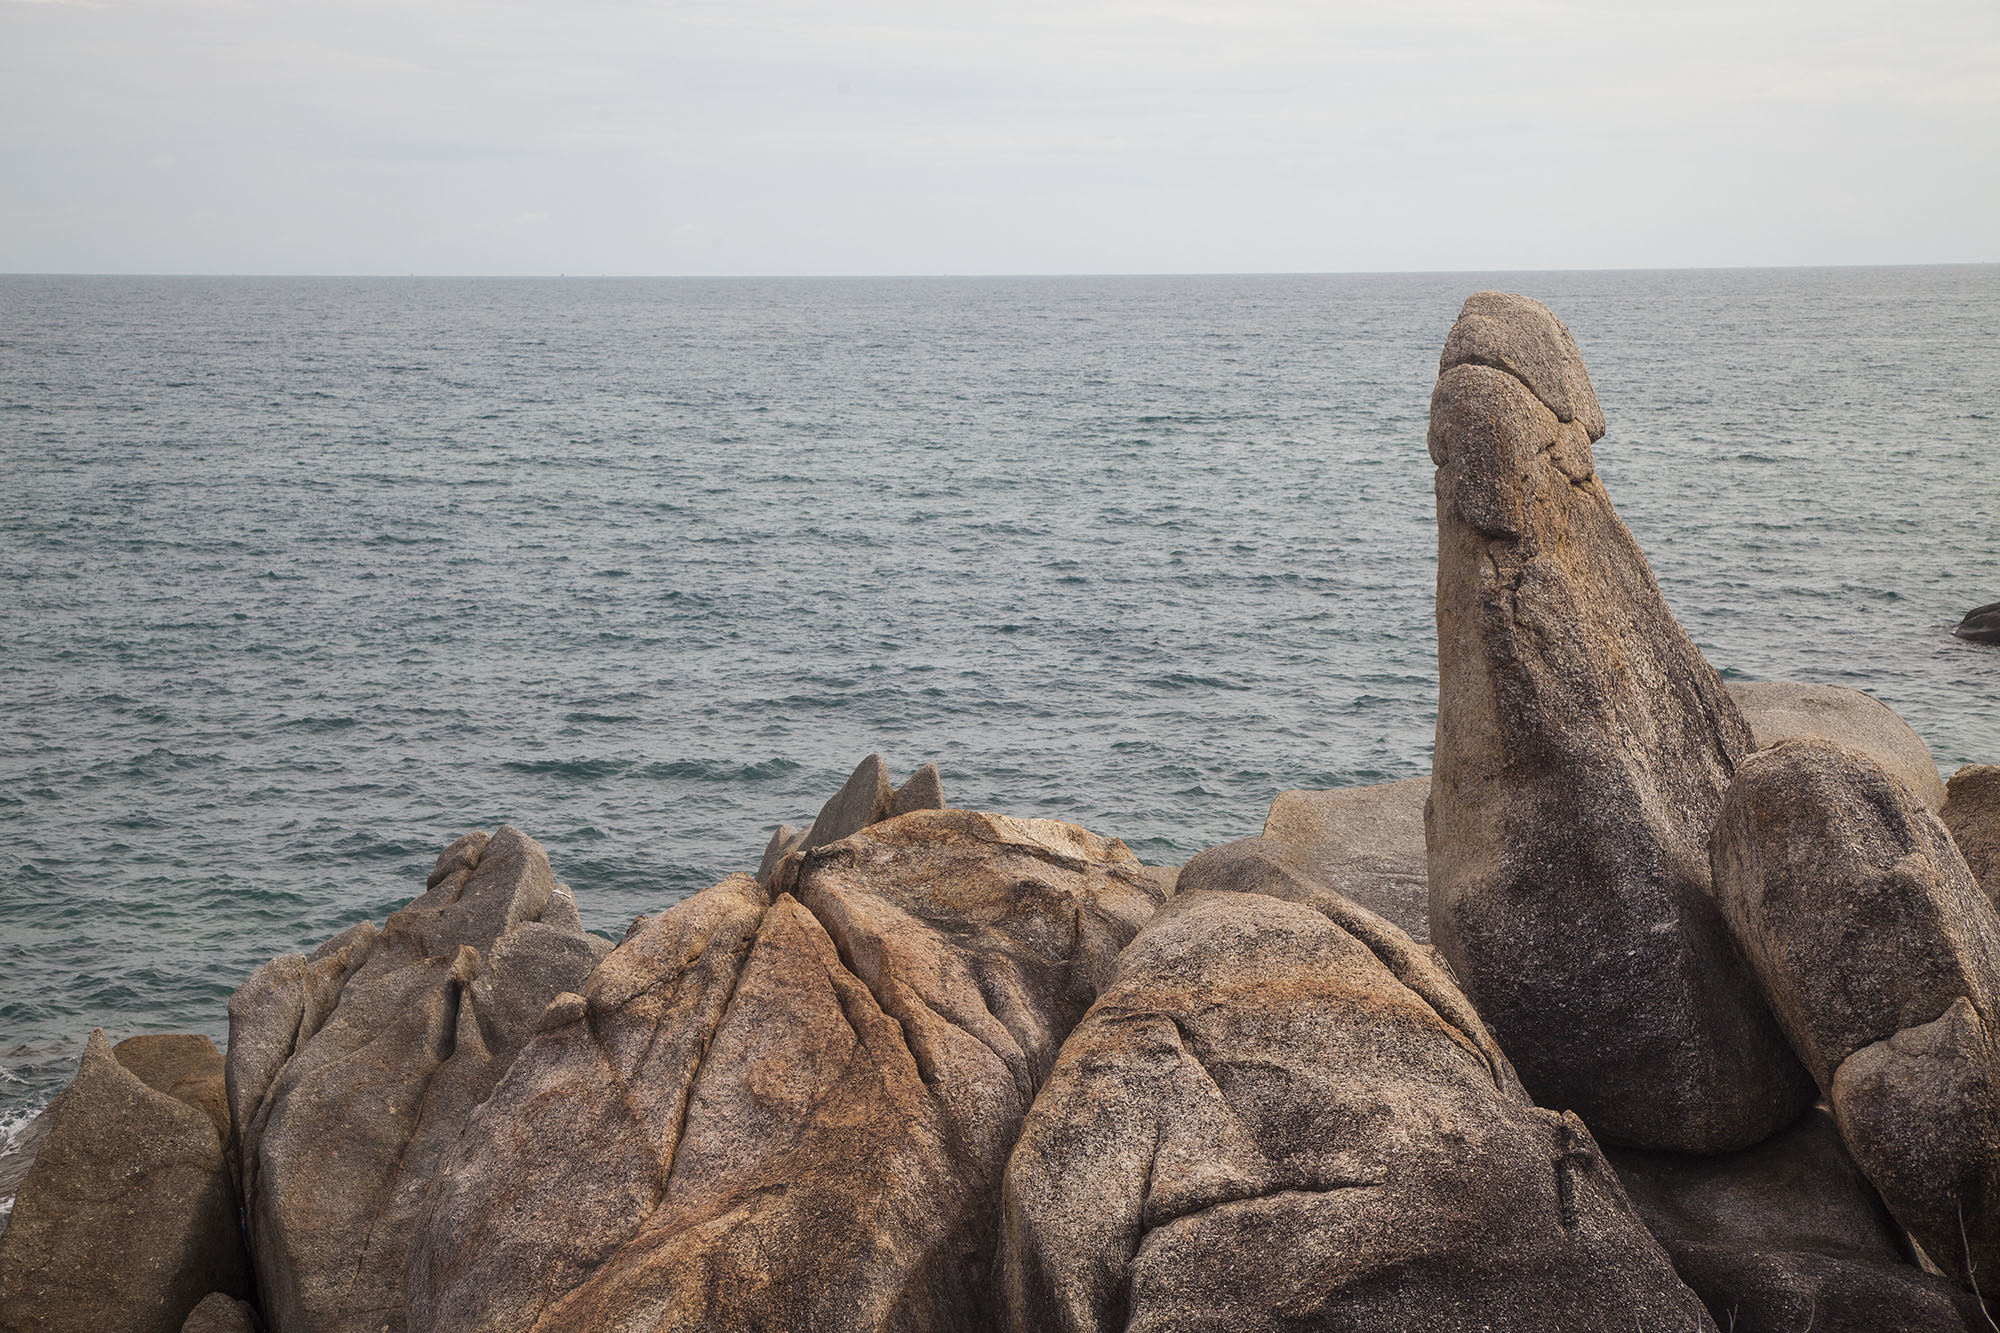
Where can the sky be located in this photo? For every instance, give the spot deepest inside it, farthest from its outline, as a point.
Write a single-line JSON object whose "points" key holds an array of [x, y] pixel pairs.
{"points": [[1089, 136]]}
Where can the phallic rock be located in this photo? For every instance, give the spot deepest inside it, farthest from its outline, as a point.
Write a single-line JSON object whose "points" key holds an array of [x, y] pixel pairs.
{"points": [[1981, 624], [1281, 1115], [1366, 843], [352, 1071], [786, 1108], [218, 1313], [1782, 710], [1789, 1235], [924, 791], [128, 1216], [1881, 958], [1583, 747], [1972, 814]]}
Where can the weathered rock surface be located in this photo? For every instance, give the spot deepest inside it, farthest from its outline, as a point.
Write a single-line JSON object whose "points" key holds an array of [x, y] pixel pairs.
{"points": [[1366, 843], [1789, 1235], [1881, 958], [1783, 710], [218, 1313], [924, 791], [352, 1071], [1282, 1115], [20, 1159], [1972, 815], [865, 798], [788, 839], [1583, 747], [127, 1217], [1981, 624], [786, 1108]]}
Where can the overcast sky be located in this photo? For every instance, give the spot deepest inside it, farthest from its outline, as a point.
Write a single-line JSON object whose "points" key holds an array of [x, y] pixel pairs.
{"points": [[873, 136]]}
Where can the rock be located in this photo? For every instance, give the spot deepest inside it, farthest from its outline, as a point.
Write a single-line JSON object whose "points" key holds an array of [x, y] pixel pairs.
{"points": [[1366, 843], [865, 798], [1981, 624], [218, 1313], [1782, 710], [1583, 747], [783, 843], [1281, 1115], [1789, 1235], [1881, 957], [20, 1159], [1972, 814], [352, 1072], [786, 1108], [127, 1217], [924, 791]]}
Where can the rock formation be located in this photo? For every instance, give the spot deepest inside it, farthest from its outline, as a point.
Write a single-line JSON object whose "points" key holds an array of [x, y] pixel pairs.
{"points": [[1583, 747], [1972, 814], [786, 1108], [1980, 625], [1366, 843], [128, 1217], [1881, 958], [865, 798], [1281, 1115], [351, 1072], [1789, 1235], [1782, 710]]}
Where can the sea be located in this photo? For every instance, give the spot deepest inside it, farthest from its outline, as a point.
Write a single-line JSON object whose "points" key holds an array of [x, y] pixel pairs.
{"points": [[302, 578]]}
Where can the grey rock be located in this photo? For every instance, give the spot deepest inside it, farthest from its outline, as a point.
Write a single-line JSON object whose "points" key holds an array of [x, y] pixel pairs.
{"points": [[1280, 1115], [924, 791], [1783, 710], [1881, 958], [127, 1217], [1980, 625], [1789, 1235], [865, 798], [1524, 339], [218, 1313], [352, 1072], [788, 1107], [783, 843], [1366, 843], [1972, 815], [1583, 747]]}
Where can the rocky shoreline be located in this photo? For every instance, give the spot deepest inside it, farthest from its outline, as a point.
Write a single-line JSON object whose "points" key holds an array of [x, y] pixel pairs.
{"points": [[1660, 1004]]}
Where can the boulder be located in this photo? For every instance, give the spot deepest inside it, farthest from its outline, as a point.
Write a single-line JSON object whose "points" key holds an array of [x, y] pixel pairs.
{"points": [[1789, 1235], [1981, 624], [352, 1071], [218, 1313], [924, 791], [1881, 958], [1972, 814], [1366, 843], [865, 798], [1583, 746], [786, 1107], [1782, 710], [1281, 1115], [127, 1217], [784, 842]]}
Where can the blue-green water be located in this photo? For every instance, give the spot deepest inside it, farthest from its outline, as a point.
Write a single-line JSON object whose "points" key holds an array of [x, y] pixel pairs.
{"points": [[303, 578]]}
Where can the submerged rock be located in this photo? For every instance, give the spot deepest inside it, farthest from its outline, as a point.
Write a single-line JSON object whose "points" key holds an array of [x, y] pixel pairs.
{"points": [[1583, 746], [1972, 815], [1882, 960], [1981, 624], [1366, 843], [1281, 1115], [352, 1071], [786, 1108], [1789, 1235], [128, 1216], [1784, 710]]}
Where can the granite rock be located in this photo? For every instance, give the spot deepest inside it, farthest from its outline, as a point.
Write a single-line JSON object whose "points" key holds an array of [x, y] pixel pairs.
{"points": [[924, 791], [1366, 843], [218, 1313], [1972, 815], [1783, 710]]}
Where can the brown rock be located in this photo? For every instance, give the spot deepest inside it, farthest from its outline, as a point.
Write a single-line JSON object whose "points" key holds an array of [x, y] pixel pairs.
{"points": [[924, 791], [783, 843], [1783, 710], [1972, 813], [1583, 747], [127, 1218], [1789, 1235], [1881, 958], [1280, 1115], [352, 1072], [1365, 843], [218, 1313], [786, 1108]]}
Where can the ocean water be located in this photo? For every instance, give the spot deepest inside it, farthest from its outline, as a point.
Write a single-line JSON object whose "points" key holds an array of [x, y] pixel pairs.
{"points": [[303, 578]]}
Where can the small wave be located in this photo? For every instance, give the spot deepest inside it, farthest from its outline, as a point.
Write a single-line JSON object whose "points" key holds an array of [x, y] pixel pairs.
{"points": [[1178, 680]]}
